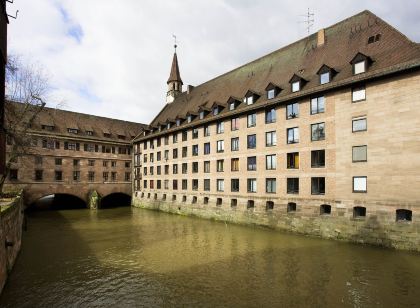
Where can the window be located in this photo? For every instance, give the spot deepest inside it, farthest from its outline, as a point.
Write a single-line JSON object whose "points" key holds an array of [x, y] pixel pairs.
{"points": [[220, 185], [324, 78], [232, 106], [293, 135], [318, 105], [270, 139], [166, 169], [271, 93], [206, 184], [250, 204], [234, 144], [207, 167], [184, 135], [13, 174], [159, 142], [58, 175], [202, 114], [76, 162], [174, 169], [252, 185], [359, 124], [271, 162], [152, 158], [184, 151], [220, 146], [206, 131], [249, 100], [252, 163], [174, 154], [359, 67], [359, 211], [105, 163], [251, 120], [358, 94], [219, 201], [269, 205], [318, 131], [114, 163], [195, 150], [38, 160], [189, 118], [293, 160], [234, 124], [318, 186], [270, 185], [206, 200], [76, 176], [292, 185], [220, 127], [359, 184], [404, 215], [325, 209], [58, 161], [234, 164], [234, 185], [159, 170], [195, 184], [184, 168], [233, 203], [175, 138], [220, 165], [195, 167], [106, 174], [295, 86], [72, 130], [291, 207], [270, 115], [207, 148], [91, 176], [127, 164], [292, 110], [359, 153], [151, 182], [195, 133], [145, 170], [91, 163], [318, 158], [215, 110], [165, 184], [251, 141]]}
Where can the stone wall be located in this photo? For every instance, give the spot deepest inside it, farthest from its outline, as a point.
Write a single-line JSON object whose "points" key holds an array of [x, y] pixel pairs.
{"points": [[375, 229], [11, 219]]}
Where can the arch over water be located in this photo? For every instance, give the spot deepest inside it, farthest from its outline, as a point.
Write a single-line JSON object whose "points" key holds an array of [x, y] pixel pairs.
{"points": [[58, 202], [117, 199]]}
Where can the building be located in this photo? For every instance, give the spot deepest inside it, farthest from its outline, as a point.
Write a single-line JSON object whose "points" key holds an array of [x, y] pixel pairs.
{"points": [[73, 153], [320, 137]]}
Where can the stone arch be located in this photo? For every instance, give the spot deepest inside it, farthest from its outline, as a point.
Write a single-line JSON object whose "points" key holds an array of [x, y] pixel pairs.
{"points": [[115, 199], [57, 201]]}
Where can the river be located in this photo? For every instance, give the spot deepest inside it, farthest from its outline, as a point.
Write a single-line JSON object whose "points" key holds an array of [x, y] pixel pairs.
{"points": [[128, 257]]}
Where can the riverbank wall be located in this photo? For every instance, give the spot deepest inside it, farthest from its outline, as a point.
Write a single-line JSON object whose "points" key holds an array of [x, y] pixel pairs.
{"points": [[379, 228], [11, 219]]}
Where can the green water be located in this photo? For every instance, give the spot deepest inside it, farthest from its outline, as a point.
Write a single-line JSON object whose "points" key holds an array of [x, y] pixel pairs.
{"points": [[127, 257]]}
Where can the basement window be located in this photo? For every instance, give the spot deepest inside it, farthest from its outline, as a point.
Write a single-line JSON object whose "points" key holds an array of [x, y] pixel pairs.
{"points": [[234, 203], [155, 197], [206, 200], [250, 204], [184, 198], [219, 201], [163, 197], [269, 205], [325, 209], [404, 215], [291, 207], [359, 211], [194, 199]]}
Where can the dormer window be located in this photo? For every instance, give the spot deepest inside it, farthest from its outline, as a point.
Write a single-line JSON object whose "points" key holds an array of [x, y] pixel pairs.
{"points": [[272, 90], [122, 137], [295, 86], [326, 74], [232, 106], [178, 122], [189, 118], [202, 114], [297, 83], [360, 63], [251, 97], [271, 94], [216, 110], [168, 125], [47, 127], [89, 133], [249, 100], [324, 78], [72, 130], [108, 135]]}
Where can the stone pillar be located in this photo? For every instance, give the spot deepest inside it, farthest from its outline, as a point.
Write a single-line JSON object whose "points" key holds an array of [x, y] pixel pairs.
{"points": [[93, 200]]}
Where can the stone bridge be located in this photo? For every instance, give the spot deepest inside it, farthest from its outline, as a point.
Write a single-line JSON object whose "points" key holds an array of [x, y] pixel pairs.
{"points": [[84, 191]]}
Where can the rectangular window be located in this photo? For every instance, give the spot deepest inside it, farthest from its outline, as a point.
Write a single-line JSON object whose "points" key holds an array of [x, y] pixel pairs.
{"points": [[76, 162], [359, 184], [271, 162], [293, 160], [91, 176], [292, 111], [318, 158], [195, 184], [184, 184], [158, 156], [184, 151], [293, 135], [165, 184], [38, 160], [359, 124], [324, 78], [220, 146], [270, 185], [174, 154], [292, 185], [13, 174], [251, 141], [270, 139], [232, 106], [114, 178], [295, 86], [158, 170], [159, 184], [207, 166], [58, 175], [201, 115], [318, 105], [175, 138], [206, 131], [215, 111], [195, 150], [184, 135], [252, 185], [234, 164], [234, 144], [166, 169], [234, 124], [174, 169], [184, 168], [220, 127], [270, 115], [271, 93], [114, 163], [220, 165], [360, 153], [234, 185], [252, 163], [251, 120], [127, 176], [207, 148], [195, 167], [105, 176], [206, 184], [195, 133], [318, 131], [318, 186], [359, 67], [220, 185], [76, 176], [58, 161], [249, 100], [91, 163], [358, 94]]}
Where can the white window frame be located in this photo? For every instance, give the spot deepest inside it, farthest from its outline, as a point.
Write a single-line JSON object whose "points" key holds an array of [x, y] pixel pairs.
{"points": [[360, 184], [360, 67], [296, 86], [358, 94]]}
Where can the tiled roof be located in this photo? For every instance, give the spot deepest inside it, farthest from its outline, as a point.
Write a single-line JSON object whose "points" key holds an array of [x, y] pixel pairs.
{"points": [[62, 120], [343, 41]]}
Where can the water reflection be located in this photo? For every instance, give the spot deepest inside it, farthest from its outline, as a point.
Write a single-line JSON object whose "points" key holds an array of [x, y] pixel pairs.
{"points": [[134, 257]]}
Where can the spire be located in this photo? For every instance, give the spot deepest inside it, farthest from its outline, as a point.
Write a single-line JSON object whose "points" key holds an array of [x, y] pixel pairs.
{"points": [[175, 76], [174, 81]]}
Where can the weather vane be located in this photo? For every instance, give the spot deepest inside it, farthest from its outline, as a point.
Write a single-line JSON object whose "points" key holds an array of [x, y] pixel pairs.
{"points": [[175, 43], [309, 20]]}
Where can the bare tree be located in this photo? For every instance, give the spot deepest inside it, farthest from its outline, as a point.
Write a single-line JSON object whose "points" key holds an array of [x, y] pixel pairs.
{"points": [[26, 91]]}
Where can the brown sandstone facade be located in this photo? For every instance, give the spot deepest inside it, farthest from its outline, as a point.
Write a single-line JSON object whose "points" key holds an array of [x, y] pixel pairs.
{"points": [[319, 138]]}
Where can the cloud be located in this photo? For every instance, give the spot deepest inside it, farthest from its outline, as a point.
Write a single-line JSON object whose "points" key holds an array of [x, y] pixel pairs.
{"points": [[113, 58]]}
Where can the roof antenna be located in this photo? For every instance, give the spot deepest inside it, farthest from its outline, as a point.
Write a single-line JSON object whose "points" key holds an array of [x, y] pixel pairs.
{"points": [[309, 20], [175, 43]]}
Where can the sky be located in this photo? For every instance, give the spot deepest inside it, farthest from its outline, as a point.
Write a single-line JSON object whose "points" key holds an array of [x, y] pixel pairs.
{"points": [[112, 58]]}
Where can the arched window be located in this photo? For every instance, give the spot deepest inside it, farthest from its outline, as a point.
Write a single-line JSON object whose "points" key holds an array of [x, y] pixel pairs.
{"points": [[404, 215], [325, 209]]}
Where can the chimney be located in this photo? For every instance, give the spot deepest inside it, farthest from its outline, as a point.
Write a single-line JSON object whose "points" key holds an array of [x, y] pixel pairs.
{"points": [[189, 88], [321, 38]]}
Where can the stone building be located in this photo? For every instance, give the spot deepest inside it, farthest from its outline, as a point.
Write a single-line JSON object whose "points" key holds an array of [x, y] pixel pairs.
{"points": [[74, 153], [320, 137]]}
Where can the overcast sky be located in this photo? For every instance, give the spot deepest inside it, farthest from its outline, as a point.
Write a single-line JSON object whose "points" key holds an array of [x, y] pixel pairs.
{"points": [[112, 58]]}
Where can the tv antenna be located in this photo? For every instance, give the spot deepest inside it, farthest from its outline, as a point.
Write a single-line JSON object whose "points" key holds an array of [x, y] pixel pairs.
{"points": [[310, 20]]}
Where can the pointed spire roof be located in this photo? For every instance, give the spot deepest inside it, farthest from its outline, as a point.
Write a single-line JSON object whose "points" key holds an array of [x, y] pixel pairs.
{"points": [[175, 75]]}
